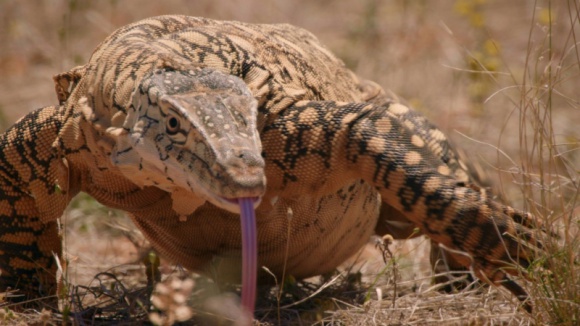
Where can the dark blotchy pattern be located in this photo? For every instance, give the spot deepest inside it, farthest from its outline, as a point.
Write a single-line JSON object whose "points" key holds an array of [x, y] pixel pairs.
{"points": [[330, 145]]}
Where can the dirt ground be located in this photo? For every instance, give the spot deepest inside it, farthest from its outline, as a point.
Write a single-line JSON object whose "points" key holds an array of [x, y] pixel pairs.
{"points": [[463, 63]]}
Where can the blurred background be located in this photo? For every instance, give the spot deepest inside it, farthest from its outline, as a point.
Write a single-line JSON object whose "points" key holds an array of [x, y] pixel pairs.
{"points": [[497, 76], [461, 62]]}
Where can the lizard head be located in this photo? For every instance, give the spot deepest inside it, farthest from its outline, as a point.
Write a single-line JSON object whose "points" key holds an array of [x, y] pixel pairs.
{"points": [[194, 131]]}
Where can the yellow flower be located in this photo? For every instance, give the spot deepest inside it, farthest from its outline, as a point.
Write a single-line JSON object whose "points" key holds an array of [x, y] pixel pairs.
{"points": [[546, 16]]}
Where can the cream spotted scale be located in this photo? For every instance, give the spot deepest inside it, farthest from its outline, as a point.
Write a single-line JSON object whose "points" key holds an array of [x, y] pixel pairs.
{"points": [[196, 114]]}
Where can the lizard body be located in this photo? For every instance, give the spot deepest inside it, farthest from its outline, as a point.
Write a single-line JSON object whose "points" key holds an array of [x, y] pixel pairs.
{"points": [[175, 117]]}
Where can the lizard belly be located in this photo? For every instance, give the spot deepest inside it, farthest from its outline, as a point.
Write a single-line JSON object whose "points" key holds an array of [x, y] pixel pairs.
{"points": [[304, 236], [318, 232]]}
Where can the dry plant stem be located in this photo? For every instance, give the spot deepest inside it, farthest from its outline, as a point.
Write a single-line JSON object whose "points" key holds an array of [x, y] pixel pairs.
{"points": [[383, 246], [249, 253], [289, 215]]}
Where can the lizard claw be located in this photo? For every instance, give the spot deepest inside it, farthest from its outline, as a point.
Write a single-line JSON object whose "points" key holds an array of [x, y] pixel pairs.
{"points": [[502, 279], [519, 292]]}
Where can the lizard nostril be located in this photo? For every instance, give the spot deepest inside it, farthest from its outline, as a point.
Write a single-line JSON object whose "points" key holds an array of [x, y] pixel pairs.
{"points": [[250, 158]]}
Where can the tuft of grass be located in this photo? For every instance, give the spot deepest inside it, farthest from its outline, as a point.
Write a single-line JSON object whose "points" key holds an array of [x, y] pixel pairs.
{"points": [[546, 170], [549, 167]]}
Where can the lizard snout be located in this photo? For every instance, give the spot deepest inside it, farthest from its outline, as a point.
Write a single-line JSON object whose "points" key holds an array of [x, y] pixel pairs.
{"points": [[244, 170], [246, 157]]}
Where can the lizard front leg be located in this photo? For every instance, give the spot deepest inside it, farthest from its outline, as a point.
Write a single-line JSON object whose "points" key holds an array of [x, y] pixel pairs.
{"points": [[394, 222], [28, 246], [325, 144], [482, 233], [34, 191]]}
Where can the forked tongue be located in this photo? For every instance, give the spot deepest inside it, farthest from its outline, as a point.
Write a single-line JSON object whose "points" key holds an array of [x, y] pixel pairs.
{"points": [[249, 253]]}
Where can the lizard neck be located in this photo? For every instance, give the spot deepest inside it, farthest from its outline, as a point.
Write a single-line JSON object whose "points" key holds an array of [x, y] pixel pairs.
{"points": [[87, 150]]}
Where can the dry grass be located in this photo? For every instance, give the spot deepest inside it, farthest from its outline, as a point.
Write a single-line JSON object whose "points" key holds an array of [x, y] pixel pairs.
{"points": [[501, 77]]}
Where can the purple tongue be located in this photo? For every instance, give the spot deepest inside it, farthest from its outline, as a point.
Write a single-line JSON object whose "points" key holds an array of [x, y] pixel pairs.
{"points": [[249, 253]]}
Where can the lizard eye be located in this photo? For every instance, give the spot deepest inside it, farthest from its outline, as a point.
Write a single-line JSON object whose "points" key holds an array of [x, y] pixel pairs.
{"points": [[172, 125]]}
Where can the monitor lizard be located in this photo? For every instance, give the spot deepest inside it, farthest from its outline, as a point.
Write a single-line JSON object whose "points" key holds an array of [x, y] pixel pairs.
{"points": [[174, 118]]}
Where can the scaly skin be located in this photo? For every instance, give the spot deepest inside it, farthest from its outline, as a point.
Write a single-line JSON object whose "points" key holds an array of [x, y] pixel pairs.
{"points": [[175, 117]]}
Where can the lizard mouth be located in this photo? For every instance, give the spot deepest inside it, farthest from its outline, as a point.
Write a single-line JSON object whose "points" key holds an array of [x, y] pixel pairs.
{"points": [[233, 204], [249, 251]]}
